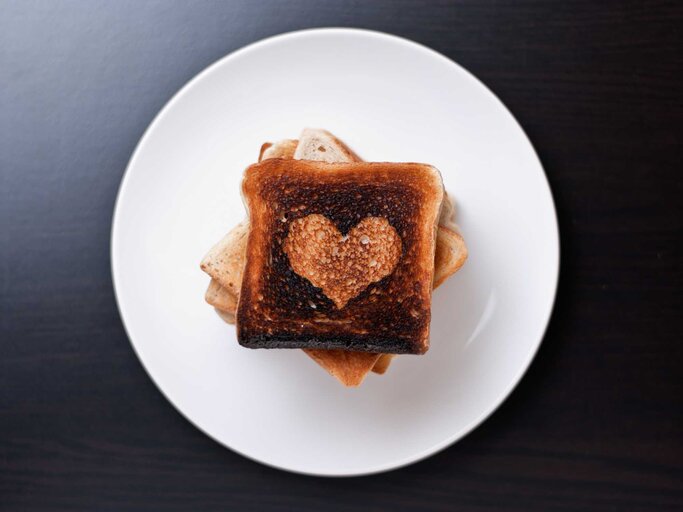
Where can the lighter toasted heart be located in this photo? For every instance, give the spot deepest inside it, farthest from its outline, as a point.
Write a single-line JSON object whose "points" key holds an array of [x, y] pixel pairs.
{"points": [[342, 266]]}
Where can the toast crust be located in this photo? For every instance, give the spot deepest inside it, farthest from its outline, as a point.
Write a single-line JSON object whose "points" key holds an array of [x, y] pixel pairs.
{"points": [[281, 149], [389, 316]]}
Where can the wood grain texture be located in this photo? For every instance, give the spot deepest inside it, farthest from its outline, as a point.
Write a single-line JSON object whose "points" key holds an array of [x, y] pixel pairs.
{"points": [[596, 424]]}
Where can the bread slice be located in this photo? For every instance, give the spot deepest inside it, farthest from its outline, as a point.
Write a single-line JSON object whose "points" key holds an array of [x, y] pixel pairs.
{"points": [[322, 146], [221, 298], [382, 364], [450, 255], [350, 368], [282, 149], [372, 294], [225, 316], [224, 261]]}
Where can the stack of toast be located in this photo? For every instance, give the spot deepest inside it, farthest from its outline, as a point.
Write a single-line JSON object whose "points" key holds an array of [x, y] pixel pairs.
{"points": [[338, 257]]}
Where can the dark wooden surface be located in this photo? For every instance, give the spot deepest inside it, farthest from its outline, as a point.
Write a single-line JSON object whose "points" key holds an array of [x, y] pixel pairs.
{"points": [[596, 424]]}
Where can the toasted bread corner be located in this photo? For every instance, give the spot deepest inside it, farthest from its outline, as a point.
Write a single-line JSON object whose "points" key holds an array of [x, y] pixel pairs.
{"points": [[350, 368]]}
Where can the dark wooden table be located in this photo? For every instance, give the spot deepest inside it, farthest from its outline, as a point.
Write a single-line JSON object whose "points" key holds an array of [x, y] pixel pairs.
{"points": [[594, 425]]}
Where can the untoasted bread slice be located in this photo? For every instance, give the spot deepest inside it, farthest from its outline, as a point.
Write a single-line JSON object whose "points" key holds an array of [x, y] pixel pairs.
{"points": [[321, 145], [356, 306]]}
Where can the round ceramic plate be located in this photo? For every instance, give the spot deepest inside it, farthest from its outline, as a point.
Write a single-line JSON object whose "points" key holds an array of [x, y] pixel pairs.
{"points": [[390, 100]]}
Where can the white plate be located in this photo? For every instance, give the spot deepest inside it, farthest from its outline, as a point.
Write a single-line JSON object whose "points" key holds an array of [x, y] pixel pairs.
{"points": [[391, 100]]}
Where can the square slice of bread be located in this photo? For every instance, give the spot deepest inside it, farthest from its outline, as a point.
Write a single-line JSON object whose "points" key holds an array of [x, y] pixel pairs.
{"points": [[309, 296]]}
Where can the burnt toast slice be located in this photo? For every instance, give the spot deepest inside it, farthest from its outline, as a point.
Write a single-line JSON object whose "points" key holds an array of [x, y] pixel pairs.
{"points": [[339, 256]]}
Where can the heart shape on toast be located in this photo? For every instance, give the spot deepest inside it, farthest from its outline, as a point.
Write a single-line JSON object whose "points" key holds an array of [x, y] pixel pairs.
{"points": [[342, 265]]}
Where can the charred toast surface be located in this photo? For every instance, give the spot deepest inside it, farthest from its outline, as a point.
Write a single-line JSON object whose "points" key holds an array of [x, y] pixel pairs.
{"points": [[281, 307]]}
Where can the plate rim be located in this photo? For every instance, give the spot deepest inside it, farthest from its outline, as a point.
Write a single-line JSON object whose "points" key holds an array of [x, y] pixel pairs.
{"points": [[275, 39]]}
